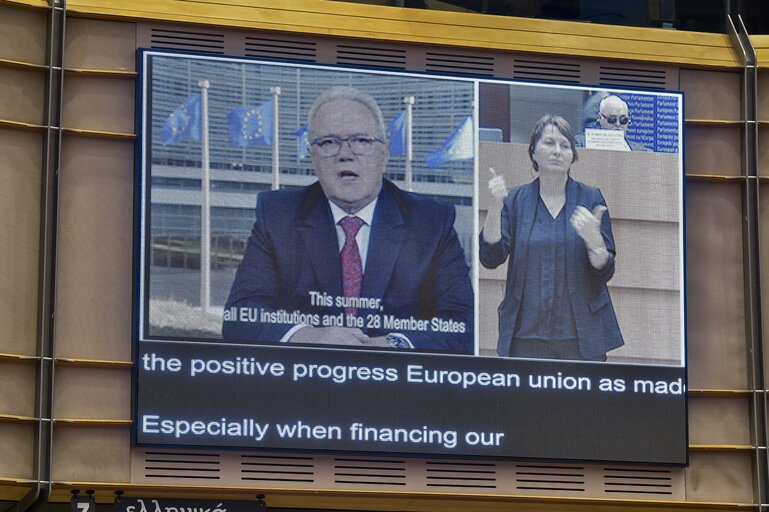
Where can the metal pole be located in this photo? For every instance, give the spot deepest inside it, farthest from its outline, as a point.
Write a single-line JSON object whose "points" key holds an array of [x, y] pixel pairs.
{"points": [[275, 91], [205, 201], [752, 258], [45, 363], [409, 178]]}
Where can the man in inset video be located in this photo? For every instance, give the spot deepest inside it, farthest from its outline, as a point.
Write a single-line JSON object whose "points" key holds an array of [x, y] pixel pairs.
{"points": [[356, 261], [613, 114]]}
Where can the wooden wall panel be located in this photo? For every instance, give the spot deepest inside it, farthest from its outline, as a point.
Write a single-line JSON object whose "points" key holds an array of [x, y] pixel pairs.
{"points": [[763, 223], [712, 150], [16, 445], [91, 454], [763, 95], [94, 103], [23, 93], [17, 382], [714, 421], [22, 35], [93, 293], [720, 477], [92, 393], [19, 240], [100, 44], [715, 299], [763, 150], [711, 95]]}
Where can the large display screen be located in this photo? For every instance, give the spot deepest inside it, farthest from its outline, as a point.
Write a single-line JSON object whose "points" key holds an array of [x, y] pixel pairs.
{"points": [[374, 261]]}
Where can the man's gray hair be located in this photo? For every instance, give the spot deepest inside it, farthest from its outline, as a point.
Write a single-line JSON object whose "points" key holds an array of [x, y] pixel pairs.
{"points": [[612, 97], [344, 92]]}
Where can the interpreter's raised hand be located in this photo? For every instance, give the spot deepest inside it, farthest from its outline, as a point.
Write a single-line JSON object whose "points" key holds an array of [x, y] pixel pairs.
{"points": [[331, 336], [497, 185], [587, 224], [492, 226]]}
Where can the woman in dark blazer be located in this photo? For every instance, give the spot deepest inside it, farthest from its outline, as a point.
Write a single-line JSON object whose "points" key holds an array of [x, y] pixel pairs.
{"points": [[557, 233]]}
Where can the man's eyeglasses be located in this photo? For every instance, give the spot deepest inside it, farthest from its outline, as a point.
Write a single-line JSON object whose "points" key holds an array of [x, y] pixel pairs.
{"points": [[613, 119], [359, 144]]}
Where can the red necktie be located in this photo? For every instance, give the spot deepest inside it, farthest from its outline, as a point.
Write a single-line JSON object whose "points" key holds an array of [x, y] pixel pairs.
{"points": [[352, 269]]}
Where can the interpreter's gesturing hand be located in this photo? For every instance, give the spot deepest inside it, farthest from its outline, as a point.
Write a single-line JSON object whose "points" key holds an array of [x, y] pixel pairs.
{"points": [[587, 224], [491, 228]]}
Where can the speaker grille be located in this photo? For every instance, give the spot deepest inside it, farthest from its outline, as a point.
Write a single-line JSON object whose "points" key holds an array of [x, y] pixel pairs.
{"points": [[181, 465], [271, 468], [638, 481], [377, 472], [378, 56], [548, 71], [275, 48], [310, 472], [550, 478], [459, 63], [196, 41], [461, 475], [633, 77]]}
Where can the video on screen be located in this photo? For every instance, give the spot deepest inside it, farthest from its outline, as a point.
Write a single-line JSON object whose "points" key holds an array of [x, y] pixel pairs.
{"points": [[496, 266]]}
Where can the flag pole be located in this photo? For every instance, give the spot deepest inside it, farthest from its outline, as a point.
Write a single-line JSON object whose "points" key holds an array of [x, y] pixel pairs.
{"points": [[409, 101], [275, 91], [205, 201]]}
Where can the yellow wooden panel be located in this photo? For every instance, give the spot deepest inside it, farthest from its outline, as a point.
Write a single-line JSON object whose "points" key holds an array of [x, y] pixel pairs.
{"points": [[91, 454], [711, 94], [93, 292], [25, 3], [714, 280], [436, 27], [19, 240], [722, 477], [761, 45], [100, 44], [99, 393], [17, 448], [23, 93], [96, 103], [22, 34], [17, 382], [719, 420], [13, 491]]}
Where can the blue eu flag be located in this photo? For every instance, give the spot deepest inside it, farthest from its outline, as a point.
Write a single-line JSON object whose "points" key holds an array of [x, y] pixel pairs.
{"points": [[304, 143], [183, 123], [459, 146], [250, 125], [396, 134]]}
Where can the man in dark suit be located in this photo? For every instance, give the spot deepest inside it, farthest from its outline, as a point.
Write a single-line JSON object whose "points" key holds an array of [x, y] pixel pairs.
{"points": [[352, 260]]}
